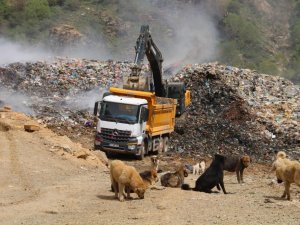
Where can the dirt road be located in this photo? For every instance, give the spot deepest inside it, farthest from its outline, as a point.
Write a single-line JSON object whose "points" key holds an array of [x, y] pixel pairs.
{"points": [[39, 186]]}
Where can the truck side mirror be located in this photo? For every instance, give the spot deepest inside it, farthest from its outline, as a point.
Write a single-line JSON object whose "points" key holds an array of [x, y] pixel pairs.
{"points": [[144, 115], [96, 106]]}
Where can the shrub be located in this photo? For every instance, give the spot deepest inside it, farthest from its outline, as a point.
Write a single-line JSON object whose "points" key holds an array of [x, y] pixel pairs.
{"points": [[72, 5], [36, 10]]}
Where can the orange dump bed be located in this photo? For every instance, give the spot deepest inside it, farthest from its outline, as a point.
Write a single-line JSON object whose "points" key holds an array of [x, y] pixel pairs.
{"points": [[161, 119]]}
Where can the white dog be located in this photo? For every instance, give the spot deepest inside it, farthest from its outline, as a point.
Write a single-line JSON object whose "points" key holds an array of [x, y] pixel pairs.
{"points": [[199, 168]]}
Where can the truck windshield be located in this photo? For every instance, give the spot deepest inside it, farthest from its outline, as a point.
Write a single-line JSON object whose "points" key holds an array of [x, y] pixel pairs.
{"points": [[123, 113]]}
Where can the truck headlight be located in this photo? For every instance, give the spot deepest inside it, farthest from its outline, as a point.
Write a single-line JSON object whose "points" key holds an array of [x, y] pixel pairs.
{"points": [[131, 147]]}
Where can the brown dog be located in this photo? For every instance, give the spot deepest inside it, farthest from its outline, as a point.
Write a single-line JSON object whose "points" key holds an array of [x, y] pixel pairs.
{"points": [[123, 175], [237, 164], [174, 179], [154, 162]]}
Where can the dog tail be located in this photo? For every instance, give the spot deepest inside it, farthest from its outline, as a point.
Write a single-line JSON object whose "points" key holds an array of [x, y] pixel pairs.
{"points": [[186, 187]]}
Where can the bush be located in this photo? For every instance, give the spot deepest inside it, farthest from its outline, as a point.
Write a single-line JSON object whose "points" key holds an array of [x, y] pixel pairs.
{"points": [[72, 5], [56, 2], [36, 10]]}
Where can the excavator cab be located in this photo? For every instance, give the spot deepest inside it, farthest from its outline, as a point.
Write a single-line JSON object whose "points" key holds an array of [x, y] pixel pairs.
{"points": [[178, 91]]}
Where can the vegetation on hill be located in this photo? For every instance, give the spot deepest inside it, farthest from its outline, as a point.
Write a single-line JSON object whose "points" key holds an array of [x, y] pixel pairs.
{"points": [[256, 34]]}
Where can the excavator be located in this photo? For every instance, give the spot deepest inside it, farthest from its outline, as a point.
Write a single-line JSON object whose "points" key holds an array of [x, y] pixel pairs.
{"points": [[155, 83]]}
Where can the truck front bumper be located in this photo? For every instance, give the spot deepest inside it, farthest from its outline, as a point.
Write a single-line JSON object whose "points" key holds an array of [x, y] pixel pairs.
{"points": [[131, 147]]}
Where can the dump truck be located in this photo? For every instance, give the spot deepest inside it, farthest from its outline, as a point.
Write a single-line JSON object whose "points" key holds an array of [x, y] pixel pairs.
{"points": [[134, 122]]}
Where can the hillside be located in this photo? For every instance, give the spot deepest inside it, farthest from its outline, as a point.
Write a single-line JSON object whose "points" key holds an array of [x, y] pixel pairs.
{"points": [[256, 34]]}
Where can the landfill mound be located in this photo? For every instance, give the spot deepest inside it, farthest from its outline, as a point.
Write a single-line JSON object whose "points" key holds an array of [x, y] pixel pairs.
{"points": [[233, 110], [238, 111]]}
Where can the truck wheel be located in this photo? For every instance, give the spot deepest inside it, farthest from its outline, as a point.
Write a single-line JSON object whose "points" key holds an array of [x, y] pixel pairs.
{"points": [[165, 144], [141, 156]]}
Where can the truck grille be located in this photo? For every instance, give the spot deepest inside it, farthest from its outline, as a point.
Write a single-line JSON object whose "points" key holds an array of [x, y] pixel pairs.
{"points": [[114, 135]]}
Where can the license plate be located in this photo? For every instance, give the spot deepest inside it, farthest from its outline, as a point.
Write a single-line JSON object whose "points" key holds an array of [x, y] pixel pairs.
{"points": [[113, 145]]}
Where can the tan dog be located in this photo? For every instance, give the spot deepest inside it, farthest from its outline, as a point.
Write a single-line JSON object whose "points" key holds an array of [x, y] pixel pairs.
{"points": [[122, 175], [281, 157], [174, 179], [287, 171], [149, 178]]}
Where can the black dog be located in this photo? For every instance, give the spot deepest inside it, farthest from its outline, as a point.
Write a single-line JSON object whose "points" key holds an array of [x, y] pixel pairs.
{"points": [[212, 177]]}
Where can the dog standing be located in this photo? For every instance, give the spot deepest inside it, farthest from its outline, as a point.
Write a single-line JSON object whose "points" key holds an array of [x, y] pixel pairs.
{"points": [[287, 171], [123, 176], [212, 177], [237, 164], [149, 178], [199, 167]]}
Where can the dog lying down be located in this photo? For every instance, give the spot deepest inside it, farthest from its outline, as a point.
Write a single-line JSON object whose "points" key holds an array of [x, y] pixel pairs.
{"points": [[122, 176], [175, 179], [287, 171], [212, 177]]}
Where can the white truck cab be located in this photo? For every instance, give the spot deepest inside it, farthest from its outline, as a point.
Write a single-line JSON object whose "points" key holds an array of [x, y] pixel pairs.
{"points": [[121, 124]]}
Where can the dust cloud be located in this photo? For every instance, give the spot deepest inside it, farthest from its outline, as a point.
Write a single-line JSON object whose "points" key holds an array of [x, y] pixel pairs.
{"points": [[19, 102], [184, 32]]}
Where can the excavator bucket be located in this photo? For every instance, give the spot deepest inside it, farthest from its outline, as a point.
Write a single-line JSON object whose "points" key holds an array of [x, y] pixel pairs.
{"points": [[136, 81]]}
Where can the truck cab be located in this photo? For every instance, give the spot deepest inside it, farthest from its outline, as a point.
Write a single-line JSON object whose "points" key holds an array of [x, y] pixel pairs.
{"points": [[121, 124]]}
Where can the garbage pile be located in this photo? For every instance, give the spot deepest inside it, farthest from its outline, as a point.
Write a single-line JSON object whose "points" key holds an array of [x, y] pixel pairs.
{"points": [[233, 111], [237, 111], [62, 91]]}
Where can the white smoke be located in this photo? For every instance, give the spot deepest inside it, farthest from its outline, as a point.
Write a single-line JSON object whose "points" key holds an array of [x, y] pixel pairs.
{"points": [[18, 102], [85, 100], [184, 32], [195, 37], [16, 52]]}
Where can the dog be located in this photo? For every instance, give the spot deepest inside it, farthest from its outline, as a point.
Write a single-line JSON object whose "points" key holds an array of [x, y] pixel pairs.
{"points": [[149, 177], [199, 167], [212, 177], [175, 179], [237, 164], [281, 157], [122, 175], [287, 171], [155, 162]]}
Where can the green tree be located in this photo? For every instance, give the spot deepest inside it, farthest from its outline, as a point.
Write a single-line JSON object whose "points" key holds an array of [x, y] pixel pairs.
{"points": [[36, 10], [72, 5]]}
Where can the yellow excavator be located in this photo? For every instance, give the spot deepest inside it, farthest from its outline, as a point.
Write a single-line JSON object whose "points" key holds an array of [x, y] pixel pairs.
{"points": [[136, 81]]}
